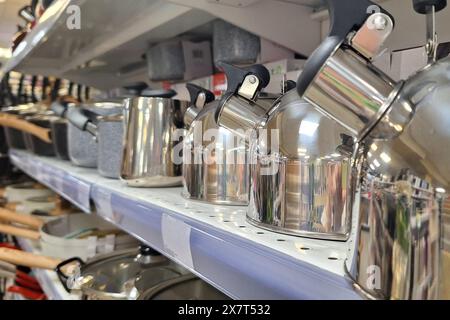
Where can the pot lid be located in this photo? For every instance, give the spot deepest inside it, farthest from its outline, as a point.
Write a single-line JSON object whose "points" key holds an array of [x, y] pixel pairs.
{"points": [[114, 275]]}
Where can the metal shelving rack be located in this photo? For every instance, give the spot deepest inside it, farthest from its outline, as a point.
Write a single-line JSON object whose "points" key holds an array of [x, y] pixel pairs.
{"points": [[214, 242], [106, 51]]}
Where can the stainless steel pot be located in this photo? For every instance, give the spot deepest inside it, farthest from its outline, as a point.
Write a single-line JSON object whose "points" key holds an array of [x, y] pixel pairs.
{"points": [[83, 147], [215, 168], [299, 158], [120, 275], [400, 171], [153, 128]]}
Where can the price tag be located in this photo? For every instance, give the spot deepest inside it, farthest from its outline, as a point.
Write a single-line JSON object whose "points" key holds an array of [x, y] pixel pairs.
{"points": [[83, 195], [177, 239]]}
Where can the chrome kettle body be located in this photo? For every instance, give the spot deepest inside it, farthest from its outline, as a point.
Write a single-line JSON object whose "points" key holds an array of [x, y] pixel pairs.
{"points": [[153, 127], [215, 167], [400, 172], [299, 160]]}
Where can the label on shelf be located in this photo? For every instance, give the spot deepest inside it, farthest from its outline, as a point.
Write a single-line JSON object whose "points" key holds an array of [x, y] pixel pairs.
{"points": [[177, 239]]}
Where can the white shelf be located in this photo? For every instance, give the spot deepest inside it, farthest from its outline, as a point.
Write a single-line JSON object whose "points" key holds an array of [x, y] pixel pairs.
{"points": [[214, 242], [113, 36], [106, 52], [48, 280]]}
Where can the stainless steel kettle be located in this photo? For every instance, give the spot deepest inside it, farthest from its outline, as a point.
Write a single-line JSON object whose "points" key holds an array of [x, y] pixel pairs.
{"points": [[215, 167], [300, 158], [153, 127], [400, 164]]}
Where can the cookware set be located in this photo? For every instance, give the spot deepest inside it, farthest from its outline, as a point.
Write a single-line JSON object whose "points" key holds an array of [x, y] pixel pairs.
{"points": [[399, 167], [345, 150]]}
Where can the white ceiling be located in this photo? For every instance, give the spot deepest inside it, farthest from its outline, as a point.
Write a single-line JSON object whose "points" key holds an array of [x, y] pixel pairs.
{"points": [[9, 20]]}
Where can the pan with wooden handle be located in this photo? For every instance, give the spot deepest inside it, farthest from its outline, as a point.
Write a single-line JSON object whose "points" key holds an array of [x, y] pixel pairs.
{"points": [[26, 220], [12, 121], [26, 259], [20, 232]]}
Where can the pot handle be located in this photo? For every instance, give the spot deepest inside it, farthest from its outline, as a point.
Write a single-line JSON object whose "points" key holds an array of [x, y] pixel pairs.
{"points": [[27, 259], [26, 220], [84, 120], [19, 232], [59, 269], [60, 108], [345, 16], [27, 293], [12, 121], [195, 91]]}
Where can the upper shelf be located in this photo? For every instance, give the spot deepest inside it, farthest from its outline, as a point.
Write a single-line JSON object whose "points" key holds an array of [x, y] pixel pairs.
{"points": [[107, 49]]}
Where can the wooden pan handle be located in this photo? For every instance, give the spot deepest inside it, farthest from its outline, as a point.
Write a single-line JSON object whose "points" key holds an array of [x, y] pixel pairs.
{"points": [[20, 232], [10, 216], [26, 259], [12, 121]]}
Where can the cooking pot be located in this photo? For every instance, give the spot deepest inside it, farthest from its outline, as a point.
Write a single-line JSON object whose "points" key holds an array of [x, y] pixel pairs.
{"points": [[299, 161], [186, 287], [120, 275], [208, 173], [14, 137], [153, 127], [83, 147], [108, 133], [33, 143], [400, 172], [22, 191]]}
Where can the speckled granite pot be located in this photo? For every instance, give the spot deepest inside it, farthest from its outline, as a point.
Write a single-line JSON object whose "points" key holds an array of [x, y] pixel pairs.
{"points": [[82, 131]]}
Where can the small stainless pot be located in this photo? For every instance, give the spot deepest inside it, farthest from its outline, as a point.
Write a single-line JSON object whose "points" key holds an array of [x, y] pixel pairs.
{"points": [[153, 129]]}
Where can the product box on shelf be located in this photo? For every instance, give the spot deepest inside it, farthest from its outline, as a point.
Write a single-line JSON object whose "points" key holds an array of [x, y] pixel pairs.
{"points": [[179, 60], [197, 59]]}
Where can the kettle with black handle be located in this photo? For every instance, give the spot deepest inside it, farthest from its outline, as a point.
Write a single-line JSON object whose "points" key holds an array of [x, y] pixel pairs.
{"points": [[400, 176]]}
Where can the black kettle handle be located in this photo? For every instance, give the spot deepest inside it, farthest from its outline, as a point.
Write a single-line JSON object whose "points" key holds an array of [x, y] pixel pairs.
{"points": [[195, 91], [63, 278], [423, 6], [345, 17], [236, 76]]}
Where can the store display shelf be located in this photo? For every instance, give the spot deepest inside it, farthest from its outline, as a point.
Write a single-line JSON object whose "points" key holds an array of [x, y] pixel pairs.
{"points": [[48, 279], [214, 242], [72, 41]]}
